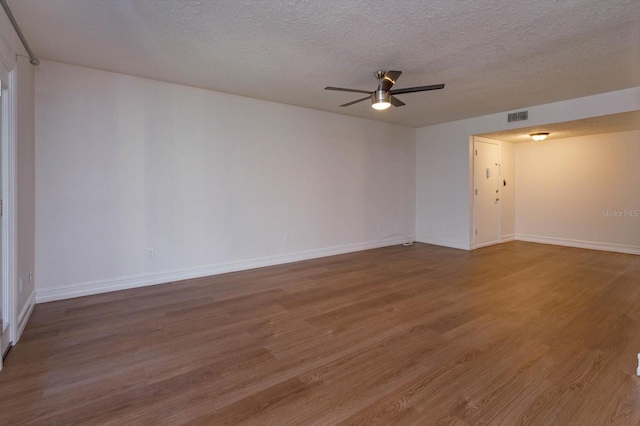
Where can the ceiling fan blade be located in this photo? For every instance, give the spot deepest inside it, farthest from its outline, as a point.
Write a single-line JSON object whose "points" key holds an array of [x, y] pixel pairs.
{"points": [[389, 79], [417, 89], [341, 89], [356, 101], [396, 102]]}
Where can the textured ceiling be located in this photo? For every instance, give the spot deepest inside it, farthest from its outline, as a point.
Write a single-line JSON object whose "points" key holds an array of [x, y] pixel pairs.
{"points": [[492, 55], [570, 129]]}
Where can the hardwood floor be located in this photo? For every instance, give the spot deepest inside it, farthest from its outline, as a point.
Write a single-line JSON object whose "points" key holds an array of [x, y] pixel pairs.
{"points": [[513, 334]]}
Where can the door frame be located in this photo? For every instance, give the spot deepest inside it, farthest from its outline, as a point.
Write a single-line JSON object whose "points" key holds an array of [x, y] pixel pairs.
{"points": [[473, 189], [8, 193]]}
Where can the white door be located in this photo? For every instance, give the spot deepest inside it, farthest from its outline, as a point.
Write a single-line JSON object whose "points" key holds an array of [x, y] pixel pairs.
{"points": [[486, 178]]}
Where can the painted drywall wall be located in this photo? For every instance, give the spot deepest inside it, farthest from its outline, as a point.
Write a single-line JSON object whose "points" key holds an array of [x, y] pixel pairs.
{"points": [[443, 161], [25, 174], [9, 42], [508, 191], [212, 182], [582, 191], [19, 200], [440, 175]]}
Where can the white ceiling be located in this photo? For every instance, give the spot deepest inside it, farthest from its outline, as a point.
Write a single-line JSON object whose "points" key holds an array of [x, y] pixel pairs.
{"points": [[492, 55], [570, 129]]}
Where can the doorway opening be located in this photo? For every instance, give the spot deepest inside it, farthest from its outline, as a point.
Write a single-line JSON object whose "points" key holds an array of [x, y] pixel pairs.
{"points": [[486, 178], [493, 192]]}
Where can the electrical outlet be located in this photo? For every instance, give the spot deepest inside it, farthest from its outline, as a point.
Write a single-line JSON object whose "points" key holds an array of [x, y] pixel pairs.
{"points": [[285, 238], [151, 253], [20, 285], [397, 225], [379, 227], [30, 275]]}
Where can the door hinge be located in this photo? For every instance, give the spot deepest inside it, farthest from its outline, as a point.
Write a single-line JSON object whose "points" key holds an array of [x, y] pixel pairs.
{"points": [[476, 192], [476, 152], [476, 231]]}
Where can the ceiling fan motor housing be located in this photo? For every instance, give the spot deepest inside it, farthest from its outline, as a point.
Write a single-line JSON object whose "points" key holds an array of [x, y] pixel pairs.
{"points": [[381, 95]]}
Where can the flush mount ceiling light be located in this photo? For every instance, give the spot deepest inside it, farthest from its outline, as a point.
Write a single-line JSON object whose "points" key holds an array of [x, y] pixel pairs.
{"points": [[539, 136]]}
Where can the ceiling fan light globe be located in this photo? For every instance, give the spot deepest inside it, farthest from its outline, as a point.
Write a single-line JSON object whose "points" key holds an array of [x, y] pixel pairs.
{"points": [[380, 105]]}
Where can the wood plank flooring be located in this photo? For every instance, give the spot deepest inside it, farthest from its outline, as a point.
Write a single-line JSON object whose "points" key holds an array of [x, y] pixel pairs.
{"points": [[513, 334]]}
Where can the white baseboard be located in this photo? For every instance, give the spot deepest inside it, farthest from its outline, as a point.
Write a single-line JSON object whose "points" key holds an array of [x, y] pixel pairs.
{"points": [[133, 281], [23, 318], [445, 243], [618, 248], [503, 239], [491, 243]]}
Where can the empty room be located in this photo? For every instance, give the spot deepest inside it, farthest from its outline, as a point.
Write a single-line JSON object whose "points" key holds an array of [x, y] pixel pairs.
{"points": [[298, 212]]}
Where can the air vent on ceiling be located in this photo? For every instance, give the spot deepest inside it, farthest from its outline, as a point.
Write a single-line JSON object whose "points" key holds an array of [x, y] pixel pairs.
{"points": [[518, 116]]}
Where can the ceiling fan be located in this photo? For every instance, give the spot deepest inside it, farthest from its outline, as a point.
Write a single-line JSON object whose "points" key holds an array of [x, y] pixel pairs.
{"points": [[383, 97]]}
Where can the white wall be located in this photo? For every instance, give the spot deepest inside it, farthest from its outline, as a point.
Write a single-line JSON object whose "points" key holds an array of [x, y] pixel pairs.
{"points": [[25, 174], [212, 181], [442, 187], [444, 160], [19, 201], [507, 192], [582, 191]]}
